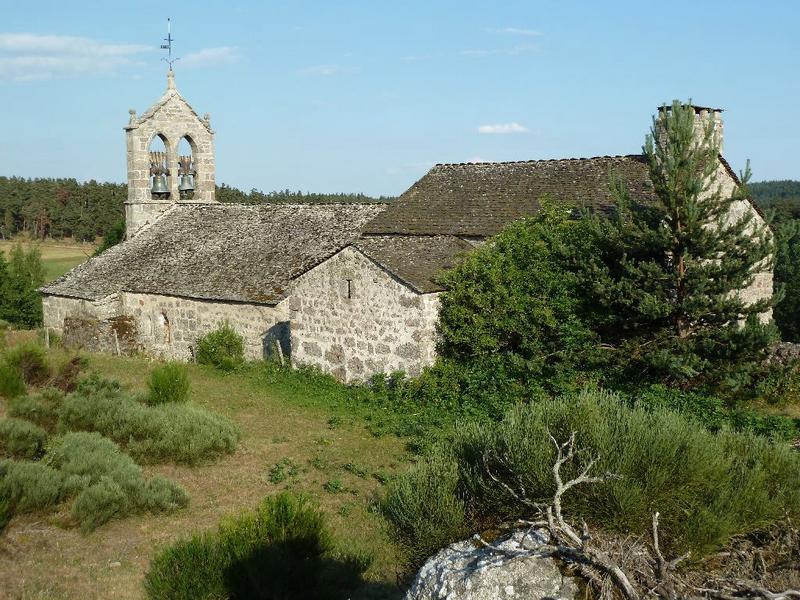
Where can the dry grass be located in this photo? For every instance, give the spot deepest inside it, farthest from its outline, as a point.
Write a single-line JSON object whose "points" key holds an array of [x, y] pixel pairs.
{"points": [[39, 558], [58, 256]]}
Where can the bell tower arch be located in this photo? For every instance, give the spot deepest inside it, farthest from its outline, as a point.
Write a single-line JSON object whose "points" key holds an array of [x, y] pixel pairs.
{"points": [[161, 174]]}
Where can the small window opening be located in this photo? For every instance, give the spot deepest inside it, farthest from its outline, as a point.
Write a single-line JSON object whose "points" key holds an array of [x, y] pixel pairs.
{"points": [[349, 289]]}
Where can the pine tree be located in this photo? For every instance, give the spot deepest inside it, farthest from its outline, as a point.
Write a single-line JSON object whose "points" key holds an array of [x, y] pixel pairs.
{"points": [[671, 268]]}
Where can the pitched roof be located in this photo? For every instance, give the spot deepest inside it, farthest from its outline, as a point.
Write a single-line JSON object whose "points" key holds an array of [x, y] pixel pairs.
{"points": [[229, 252], [168, 95], [415, 260], [480, 199]]}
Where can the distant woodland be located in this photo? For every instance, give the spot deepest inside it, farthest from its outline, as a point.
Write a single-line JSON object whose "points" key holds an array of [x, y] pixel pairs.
{"points": [[782, 196], [66, 208]]}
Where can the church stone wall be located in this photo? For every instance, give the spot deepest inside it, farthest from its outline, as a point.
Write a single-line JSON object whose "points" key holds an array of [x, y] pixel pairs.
{"points": [[762, 286], [58, 308], [383, 326], [169, 326]]}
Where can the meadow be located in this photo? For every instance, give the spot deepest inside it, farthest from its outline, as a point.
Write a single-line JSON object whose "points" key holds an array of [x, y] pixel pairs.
{"points": [[58, 257], [292, 437]]}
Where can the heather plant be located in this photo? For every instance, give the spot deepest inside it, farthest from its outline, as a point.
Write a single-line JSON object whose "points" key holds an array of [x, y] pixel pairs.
{"points": [[28, 486], [222, 348], [168, 383], [706, 486], [11, 383], [106, 483], [30, 360], [40, 408], [178, 432], [21, 439], [283, 549]]}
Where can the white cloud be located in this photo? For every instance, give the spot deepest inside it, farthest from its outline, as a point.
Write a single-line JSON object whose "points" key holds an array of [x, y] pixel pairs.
{"points": [[327, 70], [517, 31], [31, 43], [503, 128], [209, 57], [29, 57]]}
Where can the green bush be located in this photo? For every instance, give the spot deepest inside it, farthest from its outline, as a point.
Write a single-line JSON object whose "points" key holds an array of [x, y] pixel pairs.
{"points": [[513, 312], [423, 506], [177, 432], [714, 414], [222, 348], [20, 300], [106, 483], [168, 383], [30, 360], [21, 439], [282, 550], [11, 383], [41, 408], [706, 486], [27, 486]]}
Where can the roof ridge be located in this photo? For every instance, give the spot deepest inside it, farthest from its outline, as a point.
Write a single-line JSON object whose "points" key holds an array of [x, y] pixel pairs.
{"points": [[541, 160], [255, 205]]}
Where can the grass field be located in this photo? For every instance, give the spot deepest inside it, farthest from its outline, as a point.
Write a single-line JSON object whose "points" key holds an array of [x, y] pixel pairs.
{"points": [[335, 459], [57, 257]]}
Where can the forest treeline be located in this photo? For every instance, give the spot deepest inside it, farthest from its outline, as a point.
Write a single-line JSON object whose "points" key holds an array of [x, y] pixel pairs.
{"points": [[66, 208], [85, 211]]}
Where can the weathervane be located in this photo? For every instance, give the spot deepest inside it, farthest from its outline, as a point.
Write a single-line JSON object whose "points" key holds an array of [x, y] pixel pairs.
{"points": [[168, 46]]}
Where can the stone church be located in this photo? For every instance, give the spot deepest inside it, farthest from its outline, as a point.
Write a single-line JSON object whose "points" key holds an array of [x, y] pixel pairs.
{"points": [[349, 288]]}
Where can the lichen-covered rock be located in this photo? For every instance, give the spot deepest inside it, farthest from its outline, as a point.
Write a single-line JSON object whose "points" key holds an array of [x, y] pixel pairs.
{"points": [[463, 571]]}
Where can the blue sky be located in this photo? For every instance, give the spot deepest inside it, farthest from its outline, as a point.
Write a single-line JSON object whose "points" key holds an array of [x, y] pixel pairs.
{"points": [[335, 96]]}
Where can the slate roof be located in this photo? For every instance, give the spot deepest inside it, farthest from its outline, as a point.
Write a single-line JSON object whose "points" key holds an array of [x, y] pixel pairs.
{"points": [[415, 260], [229, 252], [480, 199]]}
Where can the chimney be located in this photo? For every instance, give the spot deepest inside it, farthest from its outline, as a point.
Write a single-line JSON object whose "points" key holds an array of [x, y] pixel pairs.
{"points": [[702, 115]]}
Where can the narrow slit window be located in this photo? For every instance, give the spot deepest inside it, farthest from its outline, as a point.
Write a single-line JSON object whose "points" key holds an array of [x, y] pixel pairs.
{"points": [[349, 289]]}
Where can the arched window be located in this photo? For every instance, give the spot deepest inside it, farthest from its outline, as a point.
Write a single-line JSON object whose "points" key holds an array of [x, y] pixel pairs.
{"points": [[187, 168], [159, 167]]}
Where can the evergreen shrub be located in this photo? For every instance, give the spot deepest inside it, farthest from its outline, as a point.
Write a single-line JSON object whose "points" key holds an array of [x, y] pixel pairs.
{"points": [[11, 383], [177, 432], [168, 383], [106, 483], [281, 550], [222, 348], [706, 486], [27, 486], [40, 408], [21, 439], [30, 360]]}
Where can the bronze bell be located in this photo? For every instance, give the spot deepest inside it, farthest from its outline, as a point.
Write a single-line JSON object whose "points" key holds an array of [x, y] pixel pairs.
{"points": [[160, 185], [187, 185]]}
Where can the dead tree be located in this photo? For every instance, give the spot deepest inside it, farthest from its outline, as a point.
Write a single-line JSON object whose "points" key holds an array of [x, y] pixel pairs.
{"points": [[597, 565]]}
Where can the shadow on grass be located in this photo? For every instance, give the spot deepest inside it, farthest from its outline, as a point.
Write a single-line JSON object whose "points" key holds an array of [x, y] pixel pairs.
{"points": [[287, 571]]}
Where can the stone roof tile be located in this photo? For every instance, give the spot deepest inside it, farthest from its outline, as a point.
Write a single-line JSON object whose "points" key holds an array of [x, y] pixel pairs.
{"points": [[415, 260], [480, 199], [228, 252]]}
